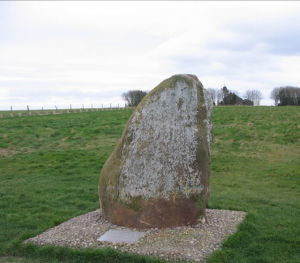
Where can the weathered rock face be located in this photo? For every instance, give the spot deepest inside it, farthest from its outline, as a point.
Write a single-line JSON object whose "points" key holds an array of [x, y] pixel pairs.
{"points": [[158, 175]]}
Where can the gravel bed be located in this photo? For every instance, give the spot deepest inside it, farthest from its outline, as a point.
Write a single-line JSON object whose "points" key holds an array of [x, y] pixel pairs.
{"points": [[189, 243]]}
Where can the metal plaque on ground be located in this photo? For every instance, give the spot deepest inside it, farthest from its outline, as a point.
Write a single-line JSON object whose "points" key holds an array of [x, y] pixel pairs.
{"points": [[121, 236]]}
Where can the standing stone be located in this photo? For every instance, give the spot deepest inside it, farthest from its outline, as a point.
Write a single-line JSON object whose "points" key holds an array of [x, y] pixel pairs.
{"points": [[158, 175]]}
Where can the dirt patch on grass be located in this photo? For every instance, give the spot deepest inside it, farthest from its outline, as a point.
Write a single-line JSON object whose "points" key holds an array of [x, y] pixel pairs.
{"points": [[7, 151]]}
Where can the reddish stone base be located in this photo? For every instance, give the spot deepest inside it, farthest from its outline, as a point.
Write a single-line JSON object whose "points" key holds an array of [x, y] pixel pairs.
{"points": [[159, 213]]}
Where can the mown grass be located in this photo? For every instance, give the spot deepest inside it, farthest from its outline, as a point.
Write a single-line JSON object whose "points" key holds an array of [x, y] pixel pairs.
{"points": [[50, 167], [256, 168]]}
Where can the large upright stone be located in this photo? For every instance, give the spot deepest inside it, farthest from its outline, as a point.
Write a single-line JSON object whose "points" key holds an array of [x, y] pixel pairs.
{"points": [[158, 175]]}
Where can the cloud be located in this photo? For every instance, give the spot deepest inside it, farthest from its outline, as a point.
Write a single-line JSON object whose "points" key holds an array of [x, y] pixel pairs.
{"points": [[94, 51], [273, 36]]}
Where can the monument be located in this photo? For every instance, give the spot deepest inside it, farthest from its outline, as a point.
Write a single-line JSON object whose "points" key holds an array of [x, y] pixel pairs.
{"points": [[158, 174]]}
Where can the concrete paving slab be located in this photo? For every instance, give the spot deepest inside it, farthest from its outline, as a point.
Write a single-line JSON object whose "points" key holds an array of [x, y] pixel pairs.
{"points": [[121, 236]]}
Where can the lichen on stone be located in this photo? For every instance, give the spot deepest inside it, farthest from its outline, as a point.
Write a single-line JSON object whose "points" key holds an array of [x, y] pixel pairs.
{"points": [[163, 156]]}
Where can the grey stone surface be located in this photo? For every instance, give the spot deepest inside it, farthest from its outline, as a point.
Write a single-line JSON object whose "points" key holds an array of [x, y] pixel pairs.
{"points": [[121, 236], [158, 175]]}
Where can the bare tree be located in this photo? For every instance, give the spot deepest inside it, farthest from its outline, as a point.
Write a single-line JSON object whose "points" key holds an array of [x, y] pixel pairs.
{"points": [[275, 95], [257, 97], [133, 97], [213, 93], [287, 95], [248, 95], [220, 96], [253, 95]]}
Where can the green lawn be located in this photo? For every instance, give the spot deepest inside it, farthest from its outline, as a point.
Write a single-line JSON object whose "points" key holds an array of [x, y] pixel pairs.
{"points": [[50, 166]]}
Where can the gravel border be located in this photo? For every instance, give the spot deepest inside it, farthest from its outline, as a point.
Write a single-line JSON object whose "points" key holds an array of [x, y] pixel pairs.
{"points": [[189, 243]]}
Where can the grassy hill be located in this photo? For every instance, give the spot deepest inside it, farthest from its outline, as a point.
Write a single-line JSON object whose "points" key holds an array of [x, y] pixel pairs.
{"points": [[50, 166]]}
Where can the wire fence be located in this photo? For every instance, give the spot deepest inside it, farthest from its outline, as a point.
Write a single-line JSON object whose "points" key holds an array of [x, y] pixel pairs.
{"points": [[28, 112]]}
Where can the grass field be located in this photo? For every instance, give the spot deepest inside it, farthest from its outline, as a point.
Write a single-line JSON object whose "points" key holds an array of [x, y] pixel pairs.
{"points": [[25, 113], [50, 166]]}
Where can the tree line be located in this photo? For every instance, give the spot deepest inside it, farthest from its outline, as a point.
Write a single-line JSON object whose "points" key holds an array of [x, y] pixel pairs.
{"points": [[226, 97], [133, 97], [286, 95], [220, 97], [282, 96]]}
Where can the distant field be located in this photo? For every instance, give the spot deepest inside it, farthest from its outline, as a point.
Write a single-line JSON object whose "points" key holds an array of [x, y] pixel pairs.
{"points": [[24, 113], [50, 166]]}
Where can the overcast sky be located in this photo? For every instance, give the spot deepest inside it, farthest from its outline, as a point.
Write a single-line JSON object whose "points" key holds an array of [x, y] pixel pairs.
{"points": [[55, 53]]}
